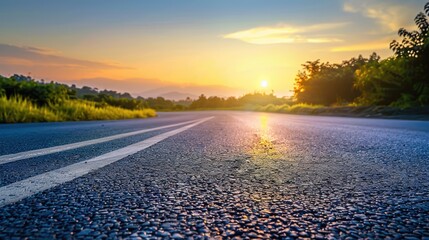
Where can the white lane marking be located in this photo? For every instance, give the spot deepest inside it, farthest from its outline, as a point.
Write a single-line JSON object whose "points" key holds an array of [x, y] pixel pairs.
{"points": [[30, 186], [45, 151]]}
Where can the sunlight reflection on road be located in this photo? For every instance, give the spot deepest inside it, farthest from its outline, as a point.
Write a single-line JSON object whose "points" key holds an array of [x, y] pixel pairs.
{"points": [[266, 151], [265, 148]]}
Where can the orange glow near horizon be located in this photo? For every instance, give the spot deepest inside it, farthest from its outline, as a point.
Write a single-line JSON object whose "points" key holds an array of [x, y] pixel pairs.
{"points": [[150, 44]]}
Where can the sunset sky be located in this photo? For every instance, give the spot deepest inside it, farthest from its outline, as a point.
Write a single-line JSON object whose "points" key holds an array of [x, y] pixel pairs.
{"points": [[222, 47]]}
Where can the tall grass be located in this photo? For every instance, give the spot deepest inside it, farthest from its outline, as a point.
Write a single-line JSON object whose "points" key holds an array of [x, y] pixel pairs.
{"points": [[274, 108], [304, 108], [17, 109], [285, 108], [75, 110]]}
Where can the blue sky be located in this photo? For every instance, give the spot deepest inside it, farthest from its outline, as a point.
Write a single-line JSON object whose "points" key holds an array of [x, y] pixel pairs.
{"points": [[228, 43]]}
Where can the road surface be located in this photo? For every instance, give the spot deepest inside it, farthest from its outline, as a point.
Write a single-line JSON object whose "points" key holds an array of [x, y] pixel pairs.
{"points": [[216, 174]]}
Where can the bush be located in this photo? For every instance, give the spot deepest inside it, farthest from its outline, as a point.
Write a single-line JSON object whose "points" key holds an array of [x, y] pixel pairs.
{"points": [[73, 110], [304, 108], [17, 109], [39, 93]]}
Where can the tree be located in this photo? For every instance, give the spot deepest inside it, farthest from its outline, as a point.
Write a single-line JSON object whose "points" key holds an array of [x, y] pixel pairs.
{"points": [[414, 50], [39, 93], [415, 44], [327, 84], [201, 102], [383, 82]]}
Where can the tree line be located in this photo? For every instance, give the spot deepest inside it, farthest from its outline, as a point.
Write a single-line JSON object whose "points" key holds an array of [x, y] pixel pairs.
{"points": [[247, 100], [401, 80], [46, 94]]}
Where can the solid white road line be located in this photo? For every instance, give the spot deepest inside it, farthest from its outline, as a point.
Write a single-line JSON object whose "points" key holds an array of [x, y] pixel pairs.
{"points": [[30, 186], [45, 151]]}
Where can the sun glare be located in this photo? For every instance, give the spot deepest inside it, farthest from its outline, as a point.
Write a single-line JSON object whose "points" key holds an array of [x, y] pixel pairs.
{"points": [[264, 83]]}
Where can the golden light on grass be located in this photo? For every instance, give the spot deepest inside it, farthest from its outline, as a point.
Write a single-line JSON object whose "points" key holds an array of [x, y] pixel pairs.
{"points": [[264, 83]]}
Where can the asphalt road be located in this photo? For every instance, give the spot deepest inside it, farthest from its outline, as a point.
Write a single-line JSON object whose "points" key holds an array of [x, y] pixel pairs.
{"points": [[216, 174]]}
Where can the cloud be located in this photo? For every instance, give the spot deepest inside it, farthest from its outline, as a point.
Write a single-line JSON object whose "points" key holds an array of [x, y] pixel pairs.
{"points": [[287, 34], [367, 46], [15, 61], [32, 56], [45, 51], [390, 15]]}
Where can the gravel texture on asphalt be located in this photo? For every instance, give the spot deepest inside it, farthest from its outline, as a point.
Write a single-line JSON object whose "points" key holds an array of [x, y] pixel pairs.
{"points": [[256, 178], [29, 136], [22, 169]]}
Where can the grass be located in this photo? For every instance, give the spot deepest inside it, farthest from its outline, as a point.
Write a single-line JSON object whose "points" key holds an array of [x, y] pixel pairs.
{"points": [[299, 108], [285, 108], [19, 110], [349, 110], [16, 109]]}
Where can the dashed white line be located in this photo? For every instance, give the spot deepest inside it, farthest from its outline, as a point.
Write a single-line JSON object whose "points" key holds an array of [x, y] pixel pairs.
{"points": [[30, 186], [45, 151]]}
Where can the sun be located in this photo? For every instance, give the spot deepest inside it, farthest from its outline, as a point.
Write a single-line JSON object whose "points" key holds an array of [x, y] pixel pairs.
{"points": [[264, 83]]}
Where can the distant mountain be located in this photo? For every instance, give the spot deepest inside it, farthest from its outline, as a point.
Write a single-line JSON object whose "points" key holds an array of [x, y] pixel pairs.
{"points": [[168, 93], [178, 96], [131, 85], [156, 88], [192, 91]]}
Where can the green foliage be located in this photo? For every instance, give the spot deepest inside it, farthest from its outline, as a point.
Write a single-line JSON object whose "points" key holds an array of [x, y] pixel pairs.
{"points": [[415, 44], [88, 91], [160, 103], [17, 109], [414, 50], [383, 82], [260, 99], [39, 93], [126, 103], [327, 84], [303, 108], [247, 101], [399, 81], [22, 99], [211, 102], [85, 110], [286, 108], [124, 100]]}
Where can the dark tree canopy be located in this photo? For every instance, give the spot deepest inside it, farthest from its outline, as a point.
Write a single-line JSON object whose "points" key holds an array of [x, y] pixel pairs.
{"points": [[402, 80], [326, 83], [415, 44], [414, 49]]}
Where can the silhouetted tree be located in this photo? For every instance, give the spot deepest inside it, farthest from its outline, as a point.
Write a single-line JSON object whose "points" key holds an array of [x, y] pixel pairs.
{"points": [[414, 51], [327, 84], [37, 92]]}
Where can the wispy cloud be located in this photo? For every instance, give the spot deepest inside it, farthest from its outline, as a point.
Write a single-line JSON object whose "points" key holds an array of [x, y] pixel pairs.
{"points": [[283, 33], [32, 56], [51, 64], [366, 46], [44, 51], [390, 15], [12, 61]]}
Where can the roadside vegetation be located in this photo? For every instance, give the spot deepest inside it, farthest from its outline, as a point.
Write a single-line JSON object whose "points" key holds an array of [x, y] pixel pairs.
{"points": [[399, 81], [358, 86], [23, 99]]}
